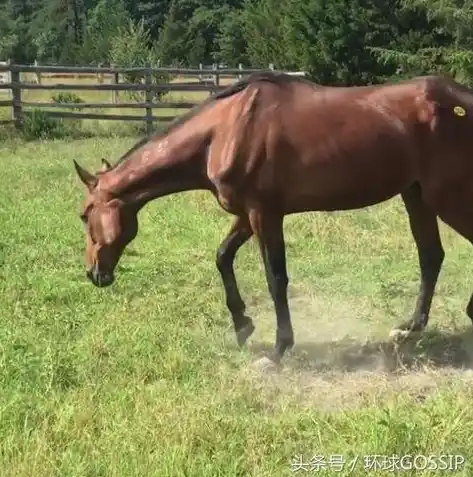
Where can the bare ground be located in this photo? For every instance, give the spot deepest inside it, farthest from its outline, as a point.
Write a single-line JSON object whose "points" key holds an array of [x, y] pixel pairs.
{"points": [[344, 358]]}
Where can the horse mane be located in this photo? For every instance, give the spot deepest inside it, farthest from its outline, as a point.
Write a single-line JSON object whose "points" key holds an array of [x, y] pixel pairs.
{"points": [[274, 77]]}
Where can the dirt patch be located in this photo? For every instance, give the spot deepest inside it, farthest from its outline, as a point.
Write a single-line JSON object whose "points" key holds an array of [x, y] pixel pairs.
{"points": [[318, 319], [335, 391], [344, 357]]}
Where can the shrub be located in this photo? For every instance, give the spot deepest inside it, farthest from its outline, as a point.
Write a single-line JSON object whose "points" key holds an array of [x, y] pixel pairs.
{"points": [[37, 124], [69, 98], [130, 48]]}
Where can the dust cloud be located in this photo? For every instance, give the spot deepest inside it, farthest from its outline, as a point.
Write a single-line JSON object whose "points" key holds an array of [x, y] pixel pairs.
{"points": [[344, 356]]}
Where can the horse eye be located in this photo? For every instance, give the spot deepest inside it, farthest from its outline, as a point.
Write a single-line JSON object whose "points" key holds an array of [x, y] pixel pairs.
{"points": [[83, 217]]}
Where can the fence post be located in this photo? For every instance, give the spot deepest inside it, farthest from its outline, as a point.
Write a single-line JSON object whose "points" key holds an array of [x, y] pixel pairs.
{"points": [[115, 80], [9, 79], [17, 115], [149, 100], [240, 67], [217, 79], [38, 73], [100, 76]]}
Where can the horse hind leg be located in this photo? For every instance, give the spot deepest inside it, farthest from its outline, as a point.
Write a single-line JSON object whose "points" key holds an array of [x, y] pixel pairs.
{"points": [[238, 235], [461, 220], [425, 230]]}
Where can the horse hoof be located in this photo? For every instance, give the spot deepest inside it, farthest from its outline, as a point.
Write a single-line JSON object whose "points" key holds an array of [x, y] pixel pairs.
{"points": [[244, 334]]}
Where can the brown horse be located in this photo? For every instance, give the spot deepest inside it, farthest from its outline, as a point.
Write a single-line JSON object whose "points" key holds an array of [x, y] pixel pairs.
{"points": [[272, 145]]}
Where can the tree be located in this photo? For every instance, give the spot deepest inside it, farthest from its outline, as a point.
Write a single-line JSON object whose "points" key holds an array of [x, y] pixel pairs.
{"points": [[60, 27], [15, 31], [264, 28], [173, 38], [104, 23], [336, 41], [346, 42], [152, 13], [331, 39], [130, 48], [230, 43], [448, 46], [190, 31]]}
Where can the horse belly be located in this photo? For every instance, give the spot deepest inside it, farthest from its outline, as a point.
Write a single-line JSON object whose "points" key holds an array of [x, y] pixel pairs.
{"points": [[347, 181], [340, 155]]}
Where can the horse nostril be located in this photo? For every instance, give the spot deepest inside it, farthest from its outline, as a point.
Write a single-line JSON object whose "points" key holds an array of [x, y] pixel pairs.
{"points": [[99, 279], [92, 274]]}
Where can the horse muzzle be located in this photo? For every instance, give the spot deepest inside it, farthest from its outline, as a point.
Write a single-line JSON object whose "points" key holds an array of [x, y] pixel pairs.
{"points": [[98, 278]]}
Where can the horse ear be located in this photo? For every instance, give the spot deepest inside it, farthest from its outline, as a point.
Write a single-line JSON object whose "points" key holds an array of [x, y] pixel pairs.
{"points": [[86, 177], [105, 165]]}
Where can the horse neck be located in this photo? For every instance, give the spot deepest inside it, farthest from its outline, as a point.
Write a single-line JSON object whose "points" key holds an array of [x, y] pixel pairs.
{"points": [[163, 166]]}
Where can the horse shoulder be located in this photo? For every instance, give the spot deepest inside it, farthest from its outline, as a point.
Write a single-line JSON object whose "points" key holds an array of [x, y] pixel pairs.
{"points": [[230, 136]]}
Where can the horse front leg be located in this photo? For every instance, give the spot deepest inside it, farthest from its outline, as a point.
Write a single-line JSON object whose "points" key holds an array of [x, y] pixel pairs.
{"points": [[425, 230], [239, 234]]}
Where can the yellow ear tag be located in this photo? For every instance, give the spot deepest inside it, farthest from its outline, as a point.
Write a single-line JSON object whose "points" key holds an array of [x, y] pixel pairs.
{"points": [[459, 111]]}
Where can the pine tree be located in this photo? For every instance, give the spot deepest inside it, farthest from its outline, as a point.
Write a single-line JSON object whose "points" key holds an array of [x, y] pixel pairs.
{"points": [[104, 23], [230, 43], [15, 30], [446, 45], [60, 28], [153, 14]]}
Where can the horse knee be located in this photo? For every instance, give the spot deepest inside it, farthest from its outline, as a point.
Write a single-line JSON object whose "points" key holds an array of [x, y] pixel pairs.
{"points": [[221, 258]]}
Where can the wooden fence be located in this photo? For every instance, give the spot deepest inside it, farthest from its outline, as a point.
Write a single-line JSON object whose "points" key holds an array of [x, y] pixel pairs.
{"points": [[18, 84]]}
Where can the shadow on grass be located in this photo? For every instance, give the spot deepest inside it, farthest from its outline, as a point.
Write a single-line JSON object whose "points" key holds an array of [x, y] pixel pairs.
{"points": [[434, 348]]}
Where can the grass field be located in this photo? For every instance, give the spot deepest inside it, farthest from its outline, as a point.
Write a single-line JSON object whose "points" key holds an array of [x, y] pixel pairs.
{"points": [[145, 379]]}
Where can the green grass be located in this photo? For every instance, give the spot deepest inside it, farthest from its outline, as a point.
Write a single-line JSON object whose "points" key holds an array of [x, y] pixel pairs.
{"points": [[144, 378]]}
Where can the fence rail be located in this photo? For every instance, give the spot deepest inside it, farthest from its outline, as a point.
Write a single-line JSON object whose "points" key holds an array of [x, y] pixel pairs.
{"points": [[206, 80], [159, 88], [136, 70]]}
